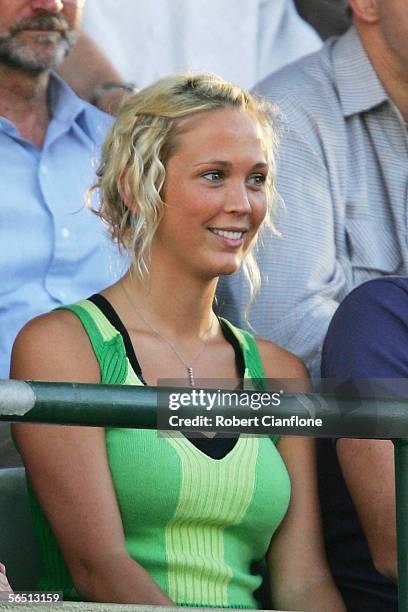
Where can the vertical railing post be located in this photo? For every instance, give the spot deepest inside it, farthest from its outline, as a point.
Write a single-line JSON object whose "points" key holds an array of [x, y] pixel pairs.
{"points": [[401, 484]]}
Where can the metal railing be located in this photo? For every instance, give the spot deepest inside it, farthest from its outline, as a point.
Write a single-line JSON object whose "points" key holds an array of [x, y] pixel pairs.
{"points": [[138, 407]]}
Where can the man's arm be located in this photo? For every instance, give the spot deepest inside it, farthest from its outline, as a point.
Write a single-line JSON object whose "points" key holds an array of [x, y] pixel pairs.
{"points": [[4, 583], [368, 469], [86, 67], [368, 339]]}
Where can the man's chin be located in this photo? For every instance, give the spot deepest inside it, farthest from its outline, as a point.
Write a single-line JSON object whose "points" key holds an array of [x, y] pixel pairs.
{"points": [[38, 57]]}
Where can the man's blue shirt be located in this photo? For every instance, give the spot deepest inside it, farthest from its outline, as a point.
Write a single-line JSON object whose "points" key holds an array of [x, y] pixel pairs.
{"points": [[53, 250]]}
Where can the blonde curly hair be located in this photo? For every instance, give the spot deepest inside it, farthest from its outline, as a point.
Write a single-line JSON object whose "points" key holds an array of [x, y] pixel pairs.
{"points": [[140, 143]]}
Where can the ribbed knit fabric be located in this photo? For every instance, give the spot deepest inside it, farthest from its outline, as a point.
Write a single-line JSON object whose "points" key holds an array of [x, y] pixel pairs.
{"points": [[195, 523]]}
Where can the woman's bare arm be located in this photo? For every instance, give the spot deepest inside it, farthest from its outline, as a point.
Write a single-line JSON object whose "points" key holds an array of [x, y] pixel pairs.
{"points": [[300, 576], [69, 471]]}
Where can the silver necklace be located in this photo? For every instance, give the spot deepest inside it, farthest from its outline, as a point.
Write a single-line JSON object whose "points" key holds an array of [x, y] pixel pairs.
{"points": [[189, 367]]}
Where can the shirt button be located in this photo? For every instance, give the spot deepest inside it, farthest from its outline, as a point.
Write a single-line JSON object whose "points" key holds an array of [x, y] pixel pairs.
{"points": [[43, 169], [65, 233], [63, 295]]}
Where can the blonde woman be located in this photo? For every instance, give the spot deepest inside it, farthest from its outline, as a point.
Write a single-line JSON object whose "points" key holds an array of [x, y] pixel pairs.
{"points": [[186, 180]]}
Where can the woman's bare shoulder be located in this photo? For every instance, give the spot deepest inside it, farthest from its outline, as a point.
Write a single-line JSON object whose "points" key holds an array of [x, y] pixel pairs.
{"points": [[54, 346], [280, 363]]}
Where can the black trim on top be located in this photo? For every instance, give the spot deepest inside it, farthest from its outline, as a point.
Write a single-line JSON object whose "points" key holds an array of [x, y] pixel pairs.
{"points": [[233, 340], [110, 313], [216, 447]]}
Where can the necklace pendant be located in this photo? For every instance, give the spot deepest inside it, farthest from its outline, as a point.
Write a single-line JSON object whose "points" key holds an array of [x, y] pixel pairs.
{"points": [[190, 376]]}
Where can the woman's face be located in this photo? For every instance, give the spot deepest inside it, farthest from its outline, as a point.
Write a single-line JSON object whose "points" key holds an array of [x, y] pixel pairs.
{"points": [[214, 194]]}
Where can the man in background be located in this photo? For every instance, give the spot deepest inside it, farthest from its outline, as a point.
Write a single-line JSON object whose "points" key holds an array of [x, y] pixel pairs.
{"points": [[53, 249]]}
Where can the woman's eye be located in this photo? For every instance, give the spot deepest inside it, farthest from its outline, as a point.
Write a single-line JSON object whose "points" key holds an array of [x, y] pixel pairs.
{"points": [[213, 176], [257, 179]]}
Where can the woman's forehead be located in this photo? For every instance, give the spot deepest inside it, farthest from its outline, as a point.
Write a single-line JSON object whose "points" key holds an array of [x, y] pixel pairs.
{"points": [[218, 127]]}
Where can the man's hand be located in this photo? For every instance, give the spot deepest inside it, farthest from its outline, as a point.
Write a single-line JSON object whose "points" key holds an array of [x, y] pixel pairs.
{"points": [[4, 583]]}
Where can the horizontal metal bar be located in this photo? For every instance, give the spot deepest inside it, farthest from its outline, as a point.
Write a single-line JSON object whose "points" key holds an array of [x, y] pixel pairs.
{"points": [[137, 407], [79, 404]]}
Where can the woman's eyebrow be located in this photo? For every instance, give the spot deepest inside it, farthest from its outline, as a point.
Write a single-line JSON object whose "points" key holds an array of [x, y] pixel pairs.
{"points": [[220, 162]]}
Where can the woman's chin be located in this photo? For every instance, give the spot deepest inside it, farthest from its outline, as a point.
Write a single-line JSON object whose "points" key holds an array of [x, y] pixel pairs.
{"points": [[229, 268], [221, 267]]}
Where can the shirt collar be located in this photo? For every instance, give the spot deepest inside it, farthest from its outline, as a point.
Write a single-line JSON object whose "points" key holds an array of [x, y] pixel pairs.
{"points": [[64, 104], [359, 87], [67, 109]]}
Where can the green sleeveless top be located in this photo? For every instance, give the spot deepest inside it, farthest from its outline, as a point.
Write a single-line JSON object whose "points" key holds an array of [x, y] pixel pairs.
{"points": [[195, 523]]}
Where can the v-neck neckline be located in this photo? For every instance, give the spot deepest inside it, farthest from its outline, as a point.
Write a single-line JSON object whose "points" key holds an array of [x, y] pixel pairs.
{"points": [[220, 446], [189, 444]]}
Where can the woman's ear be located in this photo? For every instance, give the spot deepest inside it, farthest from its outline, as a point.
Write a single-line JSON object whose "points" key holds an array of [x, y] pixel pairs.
{"points": [[126, 193], [365, 10]]}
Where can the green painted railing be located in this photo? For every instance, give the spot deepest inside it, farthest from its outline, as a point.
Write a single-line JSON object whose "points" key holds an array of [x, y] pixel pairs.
{"points": [[137, 407]]}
